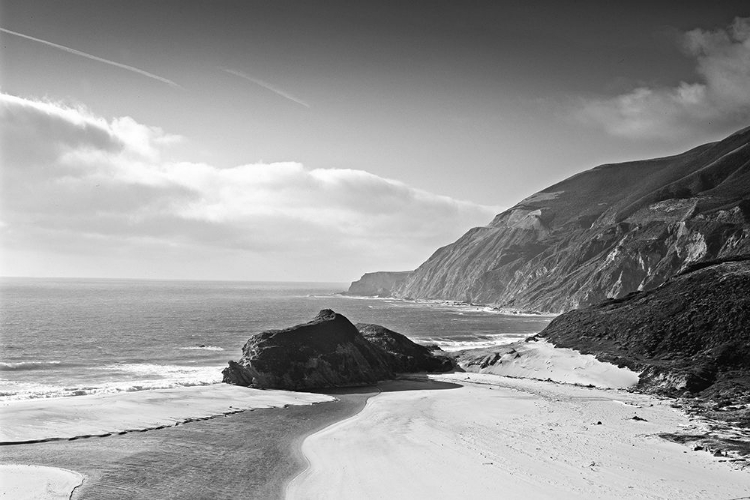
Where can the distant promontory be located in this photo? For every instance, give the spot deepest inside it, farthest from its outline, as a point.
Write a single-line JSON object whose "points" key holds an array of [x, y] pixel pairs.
{"points": [[378, 284]]}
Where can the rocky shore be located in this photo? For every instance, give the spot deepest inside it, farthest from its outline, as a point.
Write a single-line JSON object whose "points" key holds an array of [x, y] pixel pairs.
{"points": [[688, 337], [329, 351]]}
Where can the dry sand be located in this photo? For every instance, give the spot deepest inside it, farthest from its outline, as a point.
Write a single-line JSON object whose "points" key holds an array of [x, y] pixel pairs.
{"points": [[498, 437], [442, 436], [542, 360], [33, 482]]}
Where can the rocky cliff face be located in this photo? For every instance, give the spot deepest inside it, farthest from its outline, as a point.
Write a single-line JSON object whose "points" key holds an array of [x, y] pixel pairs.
{"points": [[327, 352], [690, 335], [378, 284], [600, 234]]}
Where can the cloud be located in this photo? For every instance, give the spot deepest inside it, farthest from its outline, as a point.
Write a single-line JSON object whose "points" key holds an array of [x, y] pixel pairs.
{"points": [[94, 58], [720, 99], [78, 183], [267, 86]]}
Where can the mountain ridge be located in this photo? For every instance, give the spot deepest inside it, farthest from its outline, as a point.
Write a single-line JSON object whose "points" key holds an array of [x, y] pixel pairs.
{"points": [[598, 234]]}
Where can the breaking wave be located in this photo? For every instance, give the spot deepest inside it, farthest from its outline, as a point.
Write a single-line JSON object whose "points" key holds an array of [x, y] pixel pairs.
{"points": [[135, 377], [30, 365], [202, 348]]}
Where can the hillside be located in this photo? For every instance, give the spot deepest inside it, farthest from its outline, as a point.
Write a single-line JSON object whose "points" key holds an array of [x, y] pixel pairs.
{"points": [[690, 336], [600, 234]]}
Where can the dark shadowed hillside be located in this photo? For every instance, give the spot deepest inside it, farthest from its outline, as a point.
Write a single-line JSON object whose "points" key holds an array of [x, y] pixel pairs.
{"points": [[689, 336], [600, 234]]}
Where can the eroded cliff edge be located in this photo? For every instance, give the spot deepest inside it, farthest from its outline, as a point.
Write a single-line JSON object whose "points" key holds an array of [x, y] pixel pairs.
{"points": [[600, 234]]}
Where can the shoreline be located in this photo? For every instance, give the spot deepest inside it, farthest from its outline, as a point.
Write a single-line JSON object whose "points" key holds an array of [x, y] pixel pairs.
{"points": [[457, 304], [538, 437], [364, 394], [100, 415], [252, 453]]}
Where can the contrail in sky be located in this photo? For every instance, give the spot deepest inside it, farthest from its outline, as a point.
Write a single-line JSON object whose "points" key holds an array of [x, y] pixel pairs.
{"points": [[95, 58], [266, 86]]}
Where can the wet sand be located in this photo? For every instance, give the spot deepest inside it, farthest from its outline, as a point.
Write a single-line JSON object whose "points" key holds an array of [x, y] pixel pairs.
{"points": [[47, 419], [443, 436], [252, 454]]}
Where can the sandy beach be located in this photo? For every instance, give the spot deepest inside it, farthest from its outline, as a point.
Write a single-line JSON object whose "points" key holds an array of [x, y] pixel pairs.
{"points": [[437, 436], [481, 435], [34, 482], [45, 419], [217, 451]]}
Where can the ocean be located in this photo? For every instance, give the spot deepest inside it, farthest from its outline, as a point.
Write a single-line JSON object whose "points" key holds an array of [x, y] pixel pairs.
{"points": [[71, 337]]}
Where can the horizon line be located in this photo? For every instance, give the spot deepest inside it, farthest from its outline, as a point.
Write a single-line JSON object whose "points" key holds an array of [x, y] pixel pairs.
{"points": [[3, 277]]}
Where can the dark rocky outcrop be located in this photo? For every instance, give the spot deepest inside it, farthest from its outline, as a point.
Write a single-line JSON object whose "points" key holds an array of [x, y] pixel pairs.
{"points": [[327, 352], [600, 234], [690, 336], [404, 355], [378, 284]]}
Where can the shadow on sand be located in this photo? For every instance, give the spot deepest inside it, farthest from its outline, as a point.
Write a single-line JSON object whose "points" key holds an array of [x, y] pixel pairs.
{"points": [[410, 382]]}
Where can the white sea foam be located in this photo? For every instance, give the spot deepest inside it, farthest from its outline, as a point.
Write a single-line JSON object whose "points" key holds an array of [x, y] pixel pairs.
{"points": [[147, 377], [27, 365], [363, 297], [451, 304], [202, 348], [489, 341]]}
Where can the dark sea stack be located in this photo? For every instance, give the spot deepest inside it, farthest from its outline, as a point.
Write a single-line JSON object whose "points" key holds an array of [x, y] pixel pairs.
{"points": [[690, 336], [405, 355], [329, 352], [326, 352], [600, 234]]}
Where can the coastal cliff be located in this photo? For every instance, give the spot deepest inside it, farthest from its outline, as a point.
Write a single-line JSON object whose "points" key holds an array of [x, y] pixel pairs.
{"points": [[600, 234], [378, 284]]}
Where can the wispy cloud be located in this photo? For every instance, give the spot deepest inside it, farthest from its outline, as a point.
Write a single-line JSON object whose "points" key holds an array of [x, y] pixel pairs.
{"points": [[101, 189], [94, 58], [267, 86], [720, 99]]}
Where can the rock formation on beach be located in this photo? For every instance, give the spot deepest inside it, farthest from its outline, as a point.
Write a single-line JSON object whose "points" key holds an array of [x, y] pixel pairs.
{"points": [[327, 352], [600, 234], [689, 336], [404, 355]]}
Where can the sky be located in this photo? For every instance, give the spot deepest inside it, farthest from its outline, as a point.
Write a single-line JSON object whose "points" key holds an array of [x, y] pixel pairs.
{"points": [[317, 141]]}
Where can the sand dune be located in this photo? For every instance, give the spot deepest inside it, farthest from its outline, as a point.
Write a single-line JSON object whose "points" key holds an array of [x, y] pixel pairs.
{"points": [[510, 438], [542, 360]]}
